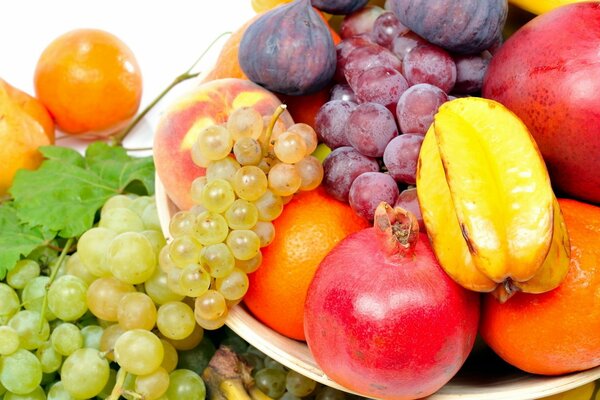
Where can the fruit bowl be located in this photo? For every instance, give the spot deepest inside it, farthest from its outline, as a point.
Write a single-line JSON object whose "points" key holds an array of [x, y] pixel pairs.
{"points": [[484, 375]]}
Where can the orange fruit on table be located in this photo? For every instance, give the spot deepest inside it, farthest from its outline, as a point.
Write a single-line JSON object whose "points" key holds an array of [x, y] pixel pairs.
{"points": [[556, 332], [25, 125], [90, 82], [311, 224]]}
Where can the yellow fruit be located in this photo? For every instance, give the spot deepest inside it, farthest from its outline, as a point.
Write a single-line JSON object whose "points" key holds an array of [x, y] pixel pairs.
{"points": [[541, 6], [487, 201]]}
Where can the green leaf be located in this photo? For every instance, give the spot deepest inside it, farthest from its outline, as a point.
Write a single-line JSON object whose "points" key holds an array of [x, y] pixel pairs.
{"points": [[17, 239], [64, 194]]}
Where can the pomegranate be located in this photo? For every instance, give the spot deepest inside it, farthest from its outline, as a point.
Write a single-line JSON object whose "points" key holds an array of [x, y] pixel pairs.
{"points": [[381, 316]]}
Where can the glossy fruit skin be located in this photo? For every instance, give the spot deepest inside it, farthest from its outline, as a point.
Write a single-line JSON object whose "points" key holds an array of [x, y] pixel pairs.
{"points": [[465, 27], [289, 50], [339, 6], [388, 326], [556, 332], [546, 73]]}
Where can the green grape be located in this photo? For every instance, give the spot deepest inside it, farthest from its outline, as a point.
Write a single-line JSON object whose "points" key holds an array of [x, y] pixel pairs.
{"points": [[194, 280], [31, 328], [128, 383], [182, 223], [153, 385], [247, 151], [245, 122], [139, 203], [170, 358], [272, 363], [217, 195], [67, 298], [108, 339], [190, 341], [269, 206], [116, 201], [271, 381], [50, 359], [289, 396], [251, 265], [110, 384], [214, 142], [32, 296], [9, 340], [197, 157], [250, 182], [224, 168], [185, 250], [278, 128], [37, 394], [158, 289], [173, 281], [243, 243], [196, 189], [210, 306], [66, 338], [85, 373], [58, 392], [164, 259], [284, 179], [265, 231], [23, 271], [150, 217], [74, 266], [211, 228], [175, 320], [156, 239], [298, 384], [234, 286], [242, 214], [308, 134], [311, 172], [91, 336], [253, 360], [104, 295], [329, 393], [266, 163], [131, 258], [9, 302], [213, 324], [121, 220], [136, 310], [217, 260], [93, 247], [290, 147], [20, 372], [185, 384], [197, 209], [138, 351]]}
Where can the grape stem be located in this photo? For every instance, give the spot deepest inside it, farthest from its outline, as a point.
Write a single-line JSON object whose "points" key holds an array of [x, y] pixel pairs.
{"points": [[53, 274], [117, 139], [278, 111], [118, 388]]}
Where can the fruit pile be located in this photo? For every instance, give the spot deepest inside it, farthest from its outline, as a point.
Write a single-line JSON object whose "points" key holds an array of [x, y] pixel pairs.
{"points": [[395, 210]]}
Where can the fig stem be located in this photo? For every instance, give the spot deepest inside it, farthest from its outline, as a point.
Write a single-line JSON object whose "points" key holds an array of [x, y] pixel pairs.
{"points": [[117, 139], [398, 227], [278, 111]]}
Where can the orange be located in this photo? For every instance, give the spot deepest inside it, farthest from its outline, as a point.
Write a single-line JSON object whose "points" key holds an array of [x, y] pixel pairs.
{"points": [[90, 82], [25, 125], [311, 224], [556, 332]]}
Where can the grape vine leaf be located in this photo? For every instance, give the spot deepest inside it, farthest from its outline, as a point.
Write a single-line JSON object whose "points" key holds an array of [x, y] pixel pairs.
{"points": [[18, 239], [67, 190]]}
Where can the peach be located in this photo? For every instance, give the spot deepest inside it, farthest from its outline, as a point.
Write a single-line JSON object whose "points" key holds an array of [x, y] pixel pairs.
{"points": [[209, 103]]}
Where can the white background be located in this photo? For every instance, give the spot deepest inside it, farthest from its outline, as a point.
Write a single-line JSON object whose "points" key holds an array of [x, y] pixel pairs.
{"points": [[166, 36]]}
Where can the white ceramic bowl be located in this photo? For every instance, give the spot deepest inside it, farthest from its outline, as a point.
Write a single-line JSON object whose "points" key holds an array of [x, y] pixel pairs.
{"points": [[483, 377]]}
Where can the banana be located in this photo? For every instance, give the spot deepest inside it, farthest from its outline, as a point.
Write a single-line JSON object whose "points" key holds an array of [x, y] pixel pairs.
{"points": [[541, 6]]}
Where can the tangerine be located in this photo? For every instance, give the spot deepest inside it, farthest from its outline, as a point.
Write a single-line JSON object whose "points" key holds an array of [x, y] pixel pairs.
{"points": [[90, 82], [311, 224], [555, 332]]}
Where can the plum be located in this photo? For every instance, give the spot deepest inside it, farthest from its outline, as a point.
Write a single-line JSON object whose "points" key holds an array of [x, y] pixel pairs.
{"points": [[289, 50], [465, 27]]}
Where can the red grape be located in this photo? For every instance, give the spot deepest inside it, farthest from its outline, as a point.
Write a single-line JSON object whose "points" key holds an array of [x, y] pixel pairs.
{"points": [[342, 91], [368, 190], [427, 63], [409, 201], [370, 127], [417, 106], [381, 85], [360, 21], [401, 156], [330, 122], [470, 70], [386, 27], [402, 44], [362, 58], [341, 167], [343, 50]]}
